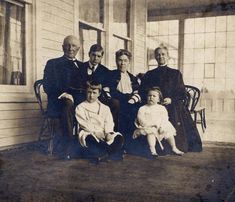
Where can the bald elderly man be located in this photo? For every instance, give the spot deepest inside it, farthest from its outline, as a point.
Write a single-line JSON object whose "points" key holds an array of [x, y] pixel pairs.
{"points": [[63, 84]]}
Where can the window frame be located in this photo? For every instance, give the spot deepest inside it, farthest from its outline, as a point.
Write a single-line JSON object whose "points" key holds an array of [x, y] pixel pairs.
{"points": [[21, 93], [90, 26]]}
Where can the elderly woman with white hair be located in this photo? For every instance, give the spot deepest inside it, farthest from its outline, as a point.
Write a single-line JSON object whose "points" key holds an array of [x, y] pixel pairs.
{"points": [[124, 87], [172, 87]]}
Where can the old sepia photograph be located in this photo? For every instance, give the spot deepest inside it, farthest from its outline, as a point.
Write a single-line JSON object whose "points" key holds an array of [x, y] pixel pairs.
{"points": [[117, 100]]}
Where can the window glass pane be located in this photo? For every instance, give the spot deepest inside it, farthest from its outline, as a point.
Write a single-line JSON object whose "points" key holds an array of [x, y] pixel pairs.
{"points": [[173, 27], [210, 24], [214, 51], [189, 40], [230, 39], [88, 36], [12, 56], [209, 70], [209, 40], [189, 26], [220, 23], [231, 23], [209, 55], [164, 28], [199, 25], [220, 56], [188, 56], [199, 55], [121, 17], [199, 40], [220, 39], [92, 12]]}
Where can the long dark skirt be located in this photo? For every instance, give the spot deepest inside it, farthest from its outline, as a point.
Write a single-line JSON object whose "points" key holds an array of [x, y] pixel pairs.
{"points": [[187, 138]]}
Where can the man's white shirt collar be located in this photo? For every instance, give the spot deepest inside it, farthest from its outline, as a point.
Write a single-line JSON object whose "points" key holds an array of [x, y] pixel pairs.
{"points": [[89, 69]]}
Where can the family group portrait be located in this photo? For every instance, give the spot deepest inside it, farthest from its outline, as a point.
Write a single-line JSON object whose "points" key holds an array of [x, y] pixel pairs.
{"points": [[117, 100]]}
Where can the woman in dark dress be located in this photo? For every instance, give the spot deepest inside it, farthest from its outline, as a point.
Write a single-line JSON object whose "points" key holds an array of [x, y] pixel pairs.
{"points": [[124, 87], [172, 87]]}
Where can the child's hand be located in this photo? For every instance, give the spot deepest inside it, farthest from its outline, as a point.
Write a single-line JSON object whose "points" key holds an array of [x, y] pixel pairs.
{"points": [[160, 130]]}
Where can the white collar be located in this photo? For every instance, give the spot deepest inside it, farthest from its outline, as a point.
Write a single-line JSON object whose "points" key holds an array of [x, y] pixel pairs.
{"points": [[162, 65], [90, 65], [72, 59]]}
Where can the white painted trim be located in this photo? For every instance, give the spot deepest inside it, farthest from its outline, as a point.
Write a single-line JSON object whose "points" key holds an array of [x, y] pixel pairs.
{"points": [[122, 37], [91, 25]]}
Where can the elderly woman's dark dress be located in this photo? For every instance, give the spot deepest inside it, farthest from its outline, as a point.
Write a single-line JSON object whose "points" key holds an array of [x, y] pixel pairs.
{"points": [[172, 86], [127, 111]]}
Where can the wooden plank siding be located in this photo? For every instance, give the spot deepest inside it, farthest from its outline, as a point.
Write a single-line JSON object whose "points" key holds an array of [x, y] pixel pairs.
{"points": [[139, 37], [21, 122]]}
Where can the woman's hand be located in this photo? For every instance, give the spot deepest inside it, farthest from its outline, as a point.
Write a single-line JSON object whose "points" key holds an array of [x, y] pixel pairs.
{"points": [[167, 101]]}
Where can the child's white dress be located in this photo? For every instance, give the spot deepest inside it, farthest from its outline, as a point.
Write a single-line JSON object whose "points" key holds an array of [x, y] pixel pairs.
{"points": [[153, 120]]}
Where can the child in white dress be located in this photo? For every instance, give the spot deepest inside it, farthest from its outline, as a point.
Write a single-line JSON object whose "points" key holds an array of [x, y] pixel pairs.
{"points": [[152, 121], [96, 126]]}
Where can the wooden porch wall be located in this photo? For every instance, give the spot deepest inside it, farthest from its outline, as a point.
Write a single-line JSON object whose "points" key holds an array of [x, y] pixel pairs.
{"points": [[20, 122], [139, 36], [56, 21]]}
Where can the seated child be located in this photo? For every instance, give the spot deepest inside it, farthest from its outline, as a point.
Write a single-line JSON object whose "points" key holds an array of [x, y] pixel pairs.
{"points": [[96, 125], [152, 121]]}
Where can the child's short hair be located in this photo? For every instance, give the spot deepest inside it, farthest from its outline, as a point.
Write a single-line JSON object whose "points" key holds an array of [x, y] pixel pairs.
{"points": [[157, 89], [96, 48], [94, 85]]}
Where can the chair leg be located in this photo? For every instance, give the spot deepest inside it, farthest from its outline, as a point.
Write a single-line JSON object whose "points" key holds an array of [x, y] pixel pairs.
{"points": [[195, 117], [43, 128], [204, 118], [52, 134], [201, 120]]}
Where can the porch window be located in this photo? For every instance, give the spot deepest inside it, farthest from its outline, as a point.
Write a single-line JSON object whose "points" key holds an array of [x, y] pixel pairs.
{"points": [[120, 29], [91, 25], [209, 50], [12, 40]]}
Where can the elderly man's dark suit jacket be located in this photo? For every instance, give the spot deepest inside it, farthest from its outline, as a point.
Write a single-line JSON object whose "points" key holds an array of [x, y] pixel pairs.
{"points": [[171, 84], [60, 75]]}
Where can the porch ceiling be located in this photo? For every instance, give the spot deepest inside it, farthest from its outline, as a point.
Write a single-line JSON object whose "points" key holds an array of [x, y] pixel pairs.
{"points": [[175, 7]]}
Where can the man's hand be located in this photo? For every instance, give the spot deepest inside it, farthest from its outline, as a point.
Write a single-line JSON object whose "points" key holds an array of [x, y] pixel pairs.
{"points": [[67, 96], [167, 101]]}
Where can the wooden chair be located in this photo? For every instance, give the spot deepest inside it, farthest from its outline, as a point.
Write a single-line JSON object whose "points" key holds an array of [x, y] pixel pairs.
{"points": [[48, 122], [193, 95]]}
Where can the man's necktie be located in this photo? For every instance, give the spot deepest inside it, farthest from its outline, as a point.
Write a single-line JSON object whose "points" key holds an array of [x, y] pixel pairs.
{"points": [[92, 69], [75, 63]]}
